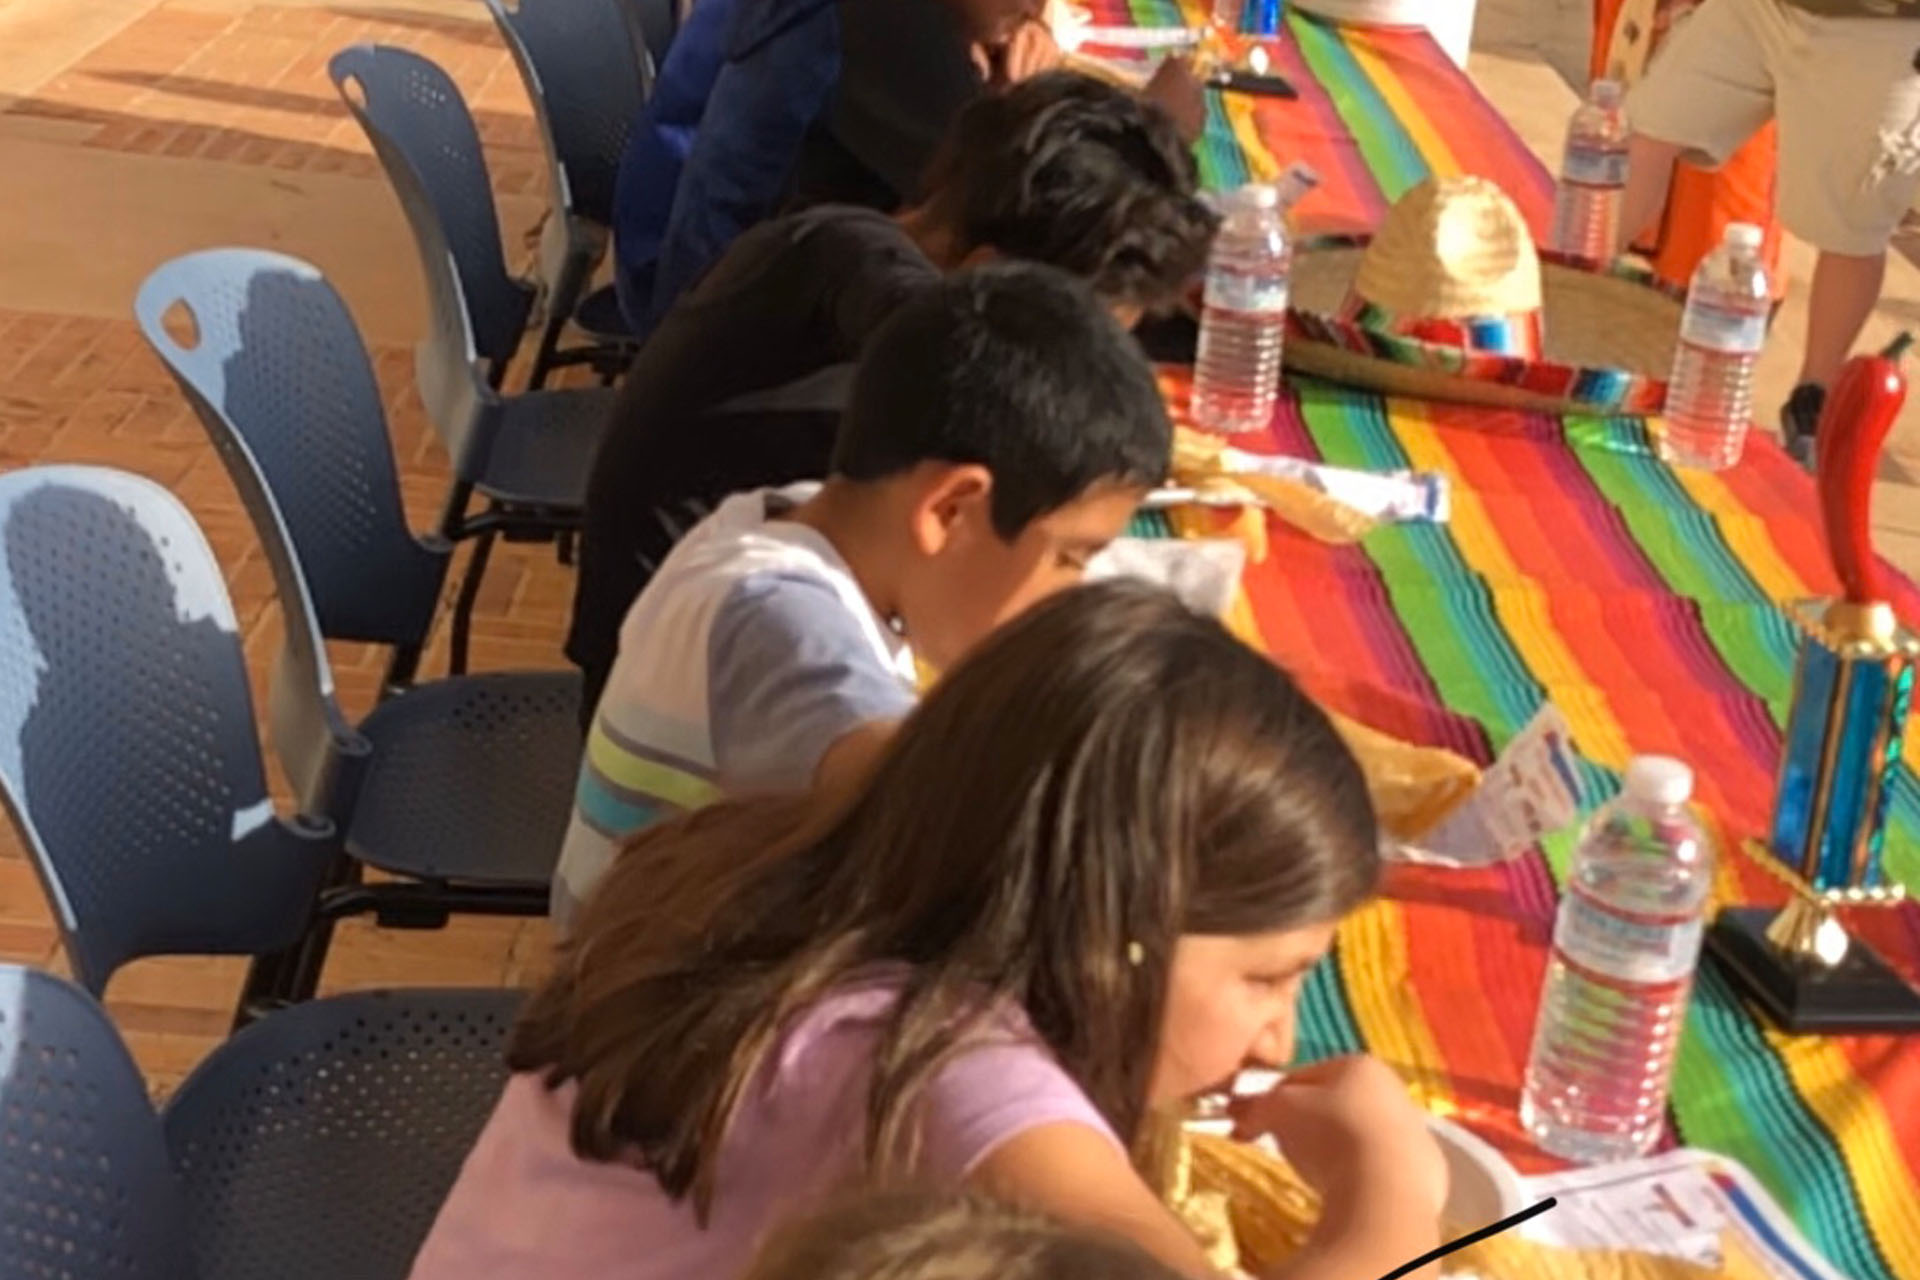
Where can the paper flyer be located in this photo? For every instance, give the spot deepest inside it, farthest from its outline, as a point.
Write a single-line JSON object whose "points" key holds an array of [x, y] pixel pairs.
{"points": [[1691, 1205], [1385, 495], [1531, 791]]}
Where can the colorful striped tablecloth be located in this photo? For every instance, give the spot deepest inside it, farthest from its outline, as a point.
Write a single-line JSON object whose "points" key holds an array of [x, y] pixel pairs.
{"points": [[1579, 569], [1380, 109]]}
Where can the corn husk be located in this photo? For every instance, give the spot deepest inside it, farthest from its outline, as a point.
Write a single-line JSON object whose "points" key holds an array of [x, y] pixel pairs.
{"points": [[1198, 465], [1412, 787]]}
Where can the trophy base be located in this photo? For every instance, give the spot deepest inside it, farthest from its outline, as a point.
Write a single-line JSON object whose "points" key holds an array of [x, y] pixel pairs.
{"points": [[1860, 994]]}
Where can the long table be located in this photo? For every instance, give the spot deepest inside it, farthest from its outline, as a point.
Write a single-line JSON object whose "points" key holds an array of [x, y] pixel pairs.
{"points": [[1576, 568]]}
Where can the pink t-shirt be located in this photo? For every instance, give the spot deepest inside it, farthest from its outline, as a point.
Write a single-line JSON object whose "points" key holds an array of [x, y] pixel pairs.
{"points": [[526, 1206]]}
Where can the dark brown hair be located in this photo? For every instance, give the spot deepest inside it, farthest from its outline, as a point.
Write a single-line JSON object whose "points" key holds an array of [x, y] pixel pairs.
{"points": [[1105, 774], [910, 1235], [1080, 175]]}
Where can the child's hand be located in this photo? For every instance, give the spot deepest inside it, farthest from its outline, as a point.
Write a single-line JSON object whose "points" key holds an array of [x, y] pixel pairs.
{"points": [[1179, 93], [1352, 1131]]}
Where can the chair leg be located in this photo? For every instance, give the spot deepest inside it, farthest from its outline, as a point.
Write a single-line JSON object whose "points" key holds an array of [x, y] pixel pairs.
{"points": [[543, 357], [463, 604], [453, 512], [265, 989], [402, 666], [288, 977]]}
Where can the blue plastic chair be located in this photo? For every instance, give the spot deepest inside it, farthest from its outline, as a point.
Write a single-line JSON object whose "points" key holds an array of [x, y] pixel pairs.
{"points": [[461, 786], [586, 91], [317, 1143], [320, 1142], [128, 754], [85, 1186], [527, 455], [652, 24]]}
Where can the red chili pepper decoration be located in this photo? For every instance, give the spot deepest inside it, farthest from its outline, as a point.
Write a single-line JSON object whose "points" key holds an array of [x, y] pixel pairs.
{"points": [[1860, 410]]}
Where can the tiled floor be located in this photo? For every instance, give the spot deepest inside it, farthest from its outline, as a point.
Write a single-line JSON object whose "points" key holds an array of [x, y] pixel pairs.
{"points": [[133, 130]]}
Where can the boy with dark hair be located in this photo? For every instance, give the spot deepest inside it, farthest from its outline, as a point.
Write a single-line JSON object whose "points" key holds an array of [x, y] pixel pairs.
{"points": [[1000, 430], [742, 384], [751, 87]]}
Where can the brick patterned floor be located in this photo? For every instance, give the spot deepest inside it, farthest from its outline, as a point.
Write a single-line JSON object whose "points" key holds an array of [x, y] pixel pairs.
{"points": [[250, 88], [88, 390]]}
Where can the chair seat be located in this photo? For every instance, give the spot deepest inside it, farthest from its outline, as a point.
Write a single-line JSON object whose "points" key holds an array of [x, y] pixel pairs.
{"points": [[472, 779], [321, 1141], [545, 448], [600, 318]]}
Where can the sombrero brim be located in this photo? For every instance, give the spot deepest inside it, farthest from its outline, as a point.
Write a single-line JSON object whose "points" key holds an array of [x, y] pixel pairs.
{"points": [[1608, 339]]}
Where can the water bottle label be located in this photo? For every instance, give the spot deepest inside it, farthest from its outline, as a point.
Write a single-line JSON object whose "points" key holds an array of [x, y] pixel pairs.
{"points": [[1593, 166], [1637, 949], [1237, 291], [1716, 328]]}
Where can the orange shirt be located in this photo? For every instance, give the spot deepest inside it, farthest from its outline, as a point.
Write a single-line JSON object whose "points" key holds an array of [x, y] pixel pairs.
{"points": [[1701, 202]]}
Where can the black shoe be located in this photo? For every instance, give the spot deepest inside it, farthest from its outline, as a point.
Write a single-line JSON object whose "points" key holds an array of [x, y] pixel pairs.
{"points": [[1800, 419]]}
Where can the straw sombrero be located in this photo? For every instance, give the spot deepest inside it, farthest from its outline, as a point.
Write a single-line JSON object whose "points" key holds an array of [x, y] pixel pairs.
{"points": [[1449, 300]]}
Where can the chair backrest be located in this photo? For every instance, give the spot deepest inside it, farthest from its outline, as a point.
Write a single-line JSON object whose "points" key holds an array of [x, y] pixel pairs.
{"points": [[268, 356], [653, 24], [585, 87], [425, 139], [281, 380], [321, 1141], [128, 754], [85, 1185]]}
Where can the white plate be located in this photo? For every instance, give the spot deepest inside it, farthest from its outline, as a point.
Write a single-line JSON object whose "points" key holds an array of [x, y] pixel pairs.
{"points": [[1483, 1187]]}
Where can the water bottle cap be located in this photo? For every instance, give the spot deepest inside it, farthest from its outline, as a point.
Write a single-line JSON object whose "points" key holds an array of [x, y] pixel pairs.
{"points": [[1605, 93], [1659, 780], [1743, 235], [1295, 183], [1258, 195]]}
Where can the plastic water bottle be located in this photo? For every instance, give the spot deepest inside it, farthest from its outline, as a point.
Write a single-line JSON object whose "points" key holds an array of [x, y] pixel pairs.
{"points": [[1624, 952], [1710, 394], [1243, 320], [1593, 176]]}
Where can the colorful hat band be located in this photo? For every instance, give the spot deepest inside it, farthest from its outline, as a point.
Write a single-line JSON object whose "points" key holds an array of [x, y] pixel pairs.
{"points": [[1510, 335]]}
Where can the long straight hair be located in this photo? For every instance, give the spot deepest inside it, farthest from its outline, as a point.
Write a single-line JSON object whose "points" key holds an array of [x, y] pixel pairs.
{"points": [[1108, 773]]}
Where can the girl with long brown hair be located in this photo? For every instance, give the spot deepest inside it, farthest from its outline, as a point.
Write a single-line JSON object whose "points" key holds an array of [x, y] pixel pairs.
{"points": [[1086, 880]]}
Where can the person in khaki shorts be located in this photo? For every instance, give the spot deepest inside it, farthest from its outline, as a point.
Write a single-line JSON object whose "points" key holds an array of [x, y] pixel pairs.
{"points": [[1841, 78]]}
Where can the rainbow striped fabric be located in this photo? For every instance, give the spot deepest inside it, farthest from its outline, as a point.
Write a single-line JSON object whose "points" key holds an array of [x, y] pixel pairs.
{"points": [[1380, 109], [1577, 568]]}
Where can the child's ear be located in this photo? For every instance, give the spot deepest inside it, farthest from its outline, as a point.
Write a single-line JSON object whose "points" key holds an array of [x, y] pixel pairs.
{"points": [[955, 502], [978, 256]]}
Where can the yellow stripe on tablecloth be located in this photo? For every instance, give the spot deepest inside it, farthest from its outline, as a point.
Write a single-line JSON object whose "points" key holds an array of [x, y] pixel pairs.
{"points": [[1520, 606], [1262, 164], [1441, 162], [1850, 1109], [1386, 1010], [1745, 534]]}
